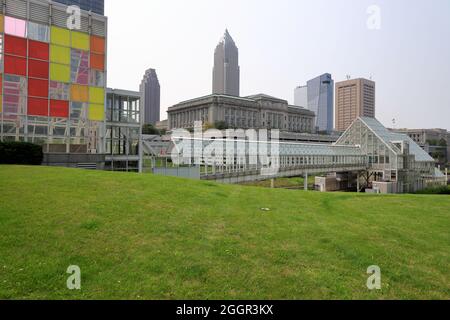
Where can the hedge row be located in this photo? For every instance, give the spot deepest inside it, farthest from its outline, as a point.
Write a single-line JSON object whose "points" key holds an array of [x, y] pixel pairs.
{"points": [[20, 153]]}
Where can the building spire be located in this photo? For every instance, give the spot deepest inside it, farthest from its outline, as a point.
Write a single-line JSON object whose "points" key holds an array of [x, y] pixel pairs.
{"points": [[226, 70], [227, 37]]}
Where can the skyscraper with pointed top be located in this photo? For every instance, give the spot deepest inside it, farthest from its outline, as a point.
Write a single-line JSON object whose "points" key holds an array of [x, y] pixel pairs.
{"points": [[226, 72], [150, 97]]}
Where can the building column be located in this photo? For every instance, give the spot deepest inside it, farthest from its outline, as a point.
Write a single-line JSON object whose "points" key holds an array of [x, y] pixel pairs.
{"points": [[306, 181], [357, 182]]}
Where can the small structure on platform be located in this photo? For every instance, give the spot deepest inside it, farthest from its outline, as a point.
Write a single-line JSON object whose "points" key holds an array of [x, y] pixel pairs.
{"points": [[336, 181]]}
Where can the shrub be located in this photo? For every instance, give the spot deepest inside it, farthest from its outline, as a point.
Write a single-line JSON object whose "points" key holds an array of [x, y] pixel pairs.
{"points": [[439, 190], [20, 153]]}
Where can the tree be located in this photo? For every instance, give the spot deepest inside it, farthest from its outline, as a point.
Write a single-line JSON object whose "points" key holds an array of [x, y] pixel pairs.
{"points": [[221, 125], [150, 129], [207, 126], [443, 142]]}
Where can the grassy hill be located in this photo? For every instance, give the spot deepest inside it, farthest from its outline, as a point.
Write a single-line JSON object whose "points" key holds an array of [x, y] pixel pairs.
{"points": [[147, 237]]}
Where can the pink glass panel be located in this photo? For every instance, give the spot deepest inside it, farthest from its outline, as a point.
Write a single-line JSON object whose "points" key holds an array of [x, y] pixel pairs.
{"points": [[15, 27]]}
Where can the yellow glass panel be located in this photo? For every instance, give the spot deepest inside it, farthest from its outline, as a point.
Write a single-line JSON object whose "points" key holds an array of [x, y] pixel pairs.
{"points": [[80, 40], [79, 93], [60, 36], [96, 95], [59, 72], [1, 103], [96, 112], [2, 23], [59, 54]]}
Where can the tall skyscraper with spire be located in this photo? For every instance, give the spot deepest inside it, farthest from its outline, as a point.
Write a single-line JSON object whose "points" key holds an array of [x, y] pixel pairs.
{"points": [[150, 97], [226, 72]]}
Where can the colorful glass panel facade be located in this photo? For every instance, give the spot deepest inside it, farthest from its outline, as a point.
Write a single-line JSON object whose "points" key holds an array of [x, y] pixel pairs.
{"points": [[52, 86]]}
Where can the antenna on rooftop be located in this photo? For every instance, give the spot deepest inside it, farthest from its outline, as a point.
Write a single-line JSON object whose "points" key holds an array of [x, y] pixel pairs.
{"points": [[348, 77], [394, 123]]}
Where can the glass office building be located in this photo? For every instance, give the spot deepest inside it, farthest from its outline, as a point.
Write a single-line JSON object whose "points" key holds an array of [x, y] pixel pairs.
{"points": [[321, 101], [96, 6], [52, 79]]}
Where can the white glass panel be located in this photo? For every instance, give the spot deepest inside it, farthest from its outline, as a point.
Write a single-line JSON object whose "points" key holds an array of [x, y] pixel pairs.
{"points": [[38, 32]]}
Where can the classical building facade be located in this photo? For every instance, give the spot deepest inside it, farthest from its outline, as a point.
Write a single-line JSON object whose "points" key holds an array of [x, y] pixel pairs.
{"points": [[354, 98], [226, 72], [253, 112]]}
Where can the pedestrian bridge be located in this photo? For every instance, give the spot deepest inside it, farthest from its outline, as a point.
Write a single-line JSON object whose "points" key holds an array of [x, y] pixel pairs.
{"points": [[235, 161], [388, 160]]}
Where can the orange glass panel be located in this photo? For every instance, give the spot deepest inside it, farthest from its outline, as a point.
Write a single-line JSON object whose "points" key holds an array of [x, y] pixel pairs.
{"points": [[97, 44], [97, 61], [79, 93]]}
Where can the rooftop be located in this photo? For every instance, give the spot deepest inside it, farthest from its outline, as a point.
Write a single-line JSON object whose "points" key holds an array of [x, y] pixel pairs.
{"points": [[389, 137]]}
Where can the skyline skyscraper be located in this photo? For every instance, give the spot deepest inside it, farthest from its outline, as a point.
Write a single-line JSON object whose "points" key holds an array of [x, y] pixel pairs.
{"points": [[150, 97], [226, 72], [321, 101], [354, 98], [318, 96], [301, 96]]}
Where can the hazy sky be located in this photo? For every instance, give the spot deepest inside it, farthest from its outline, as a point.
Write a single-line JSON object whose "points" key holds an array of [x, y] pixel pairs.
{"points": [[284, 43]]}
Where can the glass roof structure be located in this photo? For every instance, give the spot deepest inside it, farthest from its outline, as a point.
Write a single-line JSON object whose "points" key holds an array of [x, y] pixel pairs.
{"points": [[390, 138]]}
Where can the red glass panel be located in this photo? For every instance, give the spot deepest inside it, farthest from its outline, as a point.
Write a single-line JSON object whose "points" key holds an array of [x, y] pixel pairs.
{"points": [[15, 65], [37, 69], [37, 107], [38, 50], [59, 108], [38, 88], [15, 46]]}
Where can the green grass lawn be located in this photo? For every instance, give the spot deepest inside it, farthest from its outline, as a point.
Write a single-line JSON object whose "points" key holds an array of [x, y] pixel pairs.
{"points": [[296, 182], [148, 237]]}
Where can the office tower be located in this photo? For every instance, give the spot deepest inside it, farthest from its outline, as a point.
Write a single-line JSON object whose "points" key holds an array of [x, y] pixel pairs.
{"points": [[318, 96], [96, 6], [354, 98], [52, 79], [321, 101], [301, 96], [226, 70], [150, 97]]}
